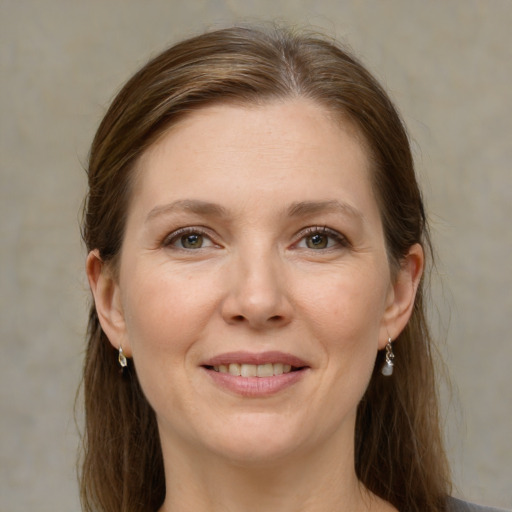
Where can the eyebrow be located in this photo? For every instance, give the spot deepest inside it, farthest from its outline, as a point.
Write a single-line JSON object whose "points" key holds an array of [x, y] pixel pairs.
{"points": [[188, 205], [304, 208], [297, 209]]}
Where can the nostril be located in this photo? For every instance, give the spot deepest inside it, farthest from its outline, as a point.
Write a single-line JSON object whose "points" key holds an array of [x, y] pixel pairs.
{"points": [[273, 319]]}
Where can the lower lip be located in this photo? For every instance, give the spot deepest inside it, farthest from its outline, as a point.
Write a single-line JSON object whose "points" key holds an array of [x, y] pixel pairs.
{"points": [[256, 386]]}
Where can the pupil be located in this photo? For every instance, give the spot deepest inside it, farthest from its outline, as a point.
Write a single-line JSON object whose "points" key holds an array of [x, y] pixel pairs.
{"points": [[192, 241]]}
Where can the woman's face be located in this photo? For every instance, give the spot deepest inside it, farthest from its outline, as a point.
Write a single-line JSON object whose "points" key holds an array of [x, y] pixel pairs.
{"points": [[254, 289]]}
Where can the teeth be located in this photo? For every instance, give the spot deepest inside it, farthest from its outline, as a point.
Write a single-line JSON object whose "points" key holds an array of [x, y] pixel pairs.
{"points": [[234, 369], [248, 370], [254, 370], [265, 370]]}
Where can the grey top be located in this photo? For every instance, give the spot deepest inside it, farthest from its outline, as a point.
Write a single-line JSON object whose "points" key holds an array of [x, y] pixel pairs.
{"points": [[456, 505]]}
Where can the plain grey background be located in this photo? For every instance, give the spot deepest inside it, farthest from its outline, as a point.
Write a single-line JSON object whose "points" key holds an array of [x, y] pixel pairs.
{"points": [[447, 64]]}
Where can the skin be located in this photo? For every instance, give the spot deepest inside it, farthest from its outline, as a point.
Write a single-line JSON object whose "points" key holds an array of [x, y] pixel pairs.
{"points": [[273, 273]]}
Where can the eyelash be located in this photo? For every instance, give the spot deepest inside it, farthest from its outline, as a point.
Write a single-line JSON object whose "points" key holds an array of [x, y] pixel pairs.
{"points": [[339, 239]]}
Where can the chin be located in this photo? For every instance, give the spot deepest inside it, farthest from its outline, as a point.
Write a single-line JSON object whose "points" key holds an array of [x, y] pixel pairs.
{"points": [[256, 439]]}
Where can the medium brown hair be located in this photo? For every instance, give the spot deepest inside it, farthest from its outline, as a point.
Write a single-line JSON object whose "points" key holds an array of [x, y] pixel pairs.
{"points": [[399, 452]]}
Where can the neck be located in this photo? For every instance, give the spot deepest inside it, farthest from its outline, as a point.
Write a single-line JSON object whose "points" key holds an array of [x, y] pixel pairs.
{"points": [[323, 480]]}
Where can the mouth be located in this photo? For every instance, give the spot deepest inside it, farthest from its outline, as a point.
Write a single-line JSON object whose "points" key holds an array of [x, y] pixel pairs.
{"points": [[248, 364], [255, 375], [254, 370]]}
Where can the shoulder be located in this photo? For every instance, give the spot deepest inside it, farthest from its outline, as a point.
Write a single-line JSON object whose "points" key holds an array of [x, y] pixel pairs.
{"points": [[455, 505]]}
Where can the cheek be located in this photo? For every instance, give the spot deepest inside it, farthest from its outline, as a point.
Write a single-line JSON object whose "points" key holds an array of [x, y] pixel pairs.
{"points": [[347, 306], [345, 317], [164, 311], [165, 319]]}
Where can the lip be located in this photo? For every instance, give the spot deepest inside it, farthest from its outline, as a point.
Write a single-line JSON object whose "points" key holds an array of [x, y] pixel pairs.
{"points": [[256, 386]]}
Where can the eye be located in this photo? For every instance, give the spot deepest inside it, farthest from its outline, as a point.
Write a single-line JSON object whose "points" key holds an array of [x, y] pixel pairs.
{"points": [[317, 241], [188, 239], [316, 238], [192, 241]]}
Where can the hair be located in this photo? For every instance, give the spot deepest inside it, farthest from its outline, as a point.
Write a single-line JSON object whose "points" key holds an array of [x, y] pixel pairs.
{"points": [[399, 452]]}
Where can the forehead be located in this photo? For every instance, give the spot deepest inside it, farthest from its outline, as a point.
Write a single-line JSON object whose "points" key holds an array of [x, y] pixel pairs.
{"points": [[286, 123], [293, 145]]}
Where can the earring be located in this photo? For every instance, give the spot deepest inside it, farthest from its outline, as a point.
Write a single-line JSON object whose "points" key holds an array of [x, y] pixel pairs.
{"points": [[123, 362], [387, 369]]}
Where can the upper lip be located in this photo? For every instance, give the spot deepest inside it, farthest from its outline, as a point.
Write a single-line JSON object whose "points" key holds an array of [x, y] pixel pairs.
{"points": [[243, 357]]}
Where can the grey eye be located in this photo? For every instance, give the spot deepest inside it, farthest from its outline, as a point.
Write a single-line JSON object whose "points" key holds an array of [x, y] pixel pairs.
{"points": [[192, 241], [317, 241]]}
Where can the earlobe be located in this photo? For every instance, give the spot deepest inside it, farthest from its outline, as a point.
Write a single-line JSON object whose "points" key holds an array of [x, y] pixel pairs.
{"points": [[107, 300], [402, 295]]}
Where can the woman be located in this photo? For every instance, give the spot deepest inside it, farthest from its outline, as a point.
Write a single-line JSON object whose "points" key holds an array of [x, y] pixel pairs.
{"points": [[256, 244]]}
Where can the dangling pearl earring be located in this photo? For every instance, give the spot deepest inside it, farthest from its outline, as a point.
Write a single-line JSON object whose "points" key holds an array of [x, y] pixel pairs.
{"points": [[387, 369], [123, 362]]}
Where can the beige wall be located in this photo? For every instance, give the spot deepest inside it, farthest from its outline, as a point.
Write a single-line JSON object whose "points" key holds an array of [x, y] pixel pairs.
{"points": [[447, 63]]}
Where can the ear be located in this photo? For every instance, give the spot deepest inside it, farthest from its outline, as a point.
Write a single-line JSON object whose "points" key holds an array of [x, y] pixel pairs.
{"points": [[401, 296], [107, 299]]}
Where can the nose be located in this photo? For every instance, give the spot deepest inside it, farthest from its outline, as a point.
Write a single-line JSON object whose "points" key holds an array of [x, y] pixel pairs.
{"points": [[257, 293]]}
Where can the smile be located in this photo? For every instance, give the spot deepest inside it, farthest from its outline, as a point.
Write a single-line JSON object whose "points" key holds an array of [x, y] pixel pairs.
{"points": [[255, 374], [254, 370]]}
